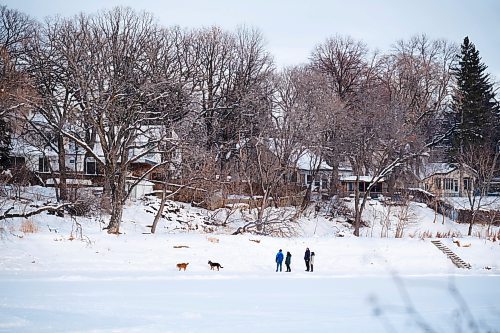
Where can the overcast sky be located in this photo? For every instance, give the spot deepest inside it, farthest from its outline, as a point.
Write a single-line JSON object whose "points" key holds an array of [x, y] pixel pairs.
{"points": [[292, 28]]}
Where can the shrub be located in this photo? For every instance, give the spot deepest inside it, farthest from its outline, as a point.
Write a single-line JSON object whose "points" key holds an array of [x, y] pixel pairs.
{"points": [[86, 205], [28, 227]]}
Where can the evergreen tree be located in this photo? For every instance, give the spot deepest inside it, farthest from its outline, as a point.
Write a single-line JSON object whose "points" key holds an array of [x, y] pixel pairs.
{"points": [[476, 113]]}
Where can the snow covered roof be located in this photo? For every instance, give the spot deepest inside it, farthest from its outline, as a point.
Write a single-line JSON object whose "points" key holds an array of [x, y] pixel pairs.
{"points": [[20, 147], [416, 189], [361, 178], [71, 181], [431, 169], [303, 158], [143, 182], [345, 166], [309, 161]]}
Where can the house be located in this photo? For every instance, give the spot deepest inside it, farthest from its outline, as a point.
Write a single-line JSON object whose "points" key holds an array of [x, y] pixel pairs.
{"points": [[363, 182], [495, 186], [448, 180], [310, 168], [82, 169], [43, 161]]}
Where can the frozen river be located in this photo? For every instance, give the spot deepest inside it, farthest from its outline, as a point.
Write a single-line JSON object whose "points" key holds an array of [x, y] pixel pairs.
{"points": [[151, 302]]}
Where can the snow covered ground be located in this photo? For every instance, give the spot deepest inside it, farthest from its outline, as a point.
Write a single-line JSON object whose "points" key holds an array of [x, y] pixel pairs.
{"points": [[73, 277], [222, 302]]}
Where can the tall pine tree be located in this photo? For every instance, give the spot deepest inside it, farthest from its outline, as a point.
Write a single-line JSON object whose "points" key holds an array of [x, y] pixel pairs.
{"points": [[476, 113]]}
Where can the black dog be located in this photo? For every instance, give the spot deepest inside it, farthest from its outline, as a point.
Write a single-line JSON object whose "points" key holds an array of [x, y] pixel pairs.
{"points": [[214, 265]]}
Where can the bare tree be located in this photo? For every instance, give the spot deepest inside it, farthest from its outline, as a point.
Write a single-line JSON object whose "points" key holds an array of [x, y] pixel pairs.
{"points": [[267, 157], [316, 111], [121, 95], [418, 78], [342, 60], [214, 51], [56, 100], [484, 164], [16, 29], [232, 76], [409, 88]]}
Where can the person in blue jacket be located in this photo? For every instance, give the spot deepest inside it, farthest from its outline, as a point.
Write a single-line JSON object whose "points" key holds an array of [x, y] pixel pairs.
{"points": [[279, 260]]}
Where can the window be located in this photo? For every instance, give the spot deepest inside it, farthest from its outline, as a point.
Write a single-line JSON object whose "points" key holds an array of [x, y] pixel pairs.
{"points": [[16, 161], [437, 182], [451, 184], [309, 179], [467, 184], [90, 166], [43, 164]]}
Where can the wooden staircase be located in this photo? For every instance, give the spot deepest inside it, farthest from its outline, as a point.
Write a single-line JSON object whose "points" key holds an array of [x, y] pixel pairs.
{"points": [[451, 255]]}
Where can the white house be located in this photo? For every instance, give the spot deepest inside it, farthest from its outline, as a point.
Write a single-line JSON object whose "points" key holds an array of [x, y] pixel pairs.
{"points": [[83, 169], [312, 169]]}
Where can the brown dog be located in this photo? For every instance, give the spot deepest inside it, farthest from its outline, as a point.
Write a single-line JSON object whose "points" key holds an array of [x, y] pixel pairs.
{"points": [[182, 265], [214, 265]]}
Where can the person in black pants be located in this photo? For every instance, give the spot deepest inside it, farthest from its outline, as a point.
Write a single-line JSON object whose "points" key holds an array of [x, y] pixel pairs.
{"points": [[288, 260], [307, 257], [279, 260]]}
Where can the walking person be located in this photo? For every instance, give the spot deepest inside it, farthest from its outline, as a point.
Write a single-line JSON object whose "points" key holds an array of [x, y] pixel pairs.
{"points": [[307, 257], [279, 260], [311, 261], [288, 260]]}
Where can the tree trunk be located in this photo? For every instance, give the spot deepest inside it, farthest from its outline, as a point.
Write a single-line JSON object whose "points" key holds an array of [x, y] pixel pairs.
{"points": [[307, 197], [471, 223], [334, 180], [260, 212], [63, 188], [117, 199], [460, 180], [160, 210], [116, 218], [359, 207], [357, 217]]}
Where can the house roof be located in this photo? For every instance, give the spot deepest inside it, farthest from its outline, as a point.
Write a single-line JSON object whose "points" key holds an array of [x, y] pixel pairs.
{"points": [[309, 161], [303, 158], [345, 166], [20, 147], [430, 169], [366, 179]]}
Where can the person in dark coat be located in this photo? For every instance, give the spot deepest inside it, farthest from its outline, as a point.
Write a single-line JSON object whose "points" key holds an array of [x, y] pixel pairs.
{"points": [[279, 260], [307, 257], [288, 260], [311, 261]]}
